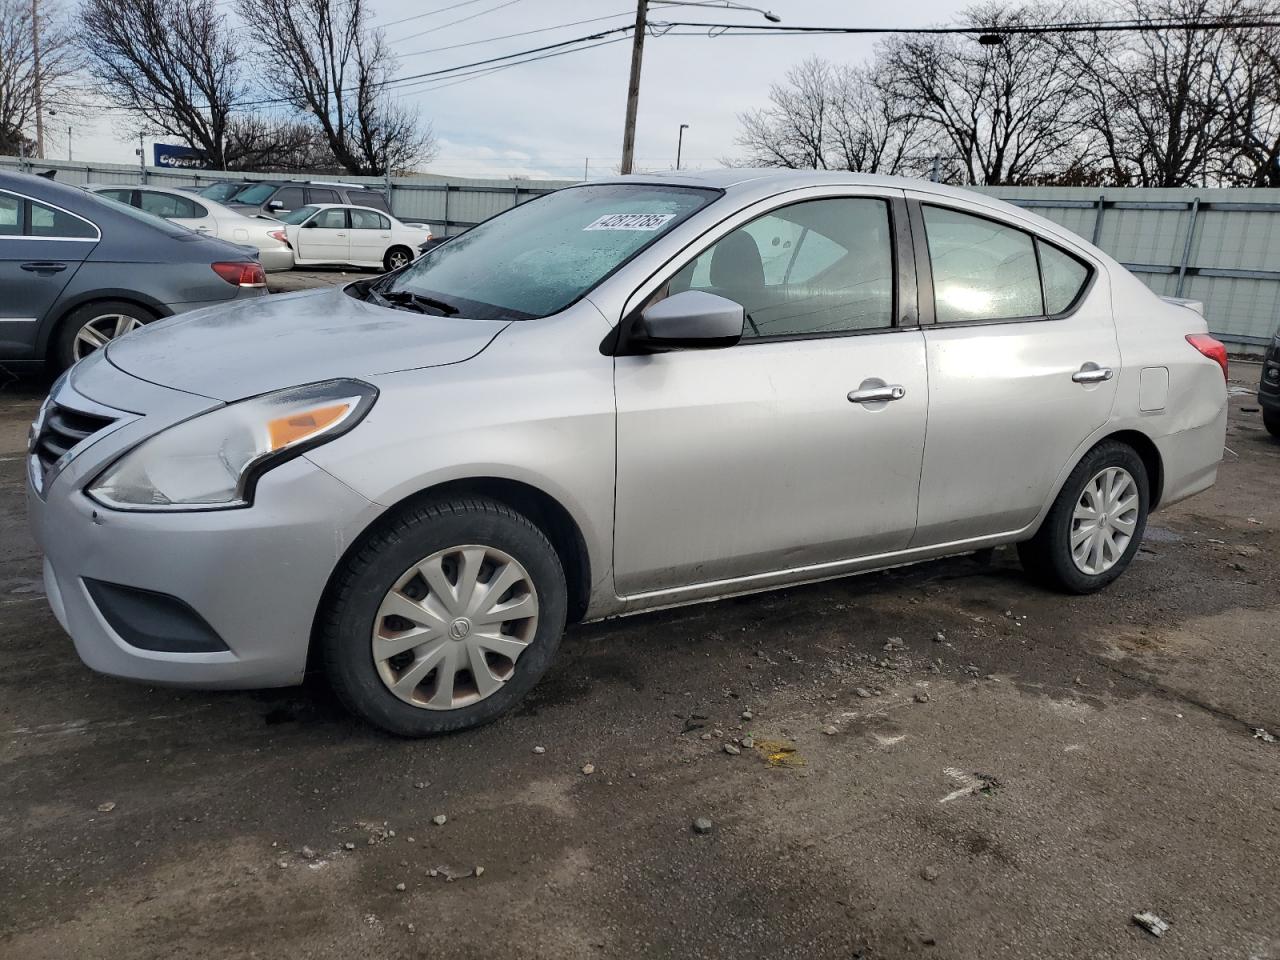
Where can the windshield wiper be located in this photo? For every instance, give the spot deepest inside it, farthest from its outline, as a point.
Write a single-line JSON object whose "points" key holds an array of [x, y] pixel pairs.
{"points": [[382, 301], [403, 298]]}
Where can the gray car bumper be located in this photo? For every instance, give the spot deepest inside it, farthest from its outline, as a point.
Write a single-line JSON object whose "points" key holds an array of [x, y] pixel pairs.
{"points": [[255, 575]]}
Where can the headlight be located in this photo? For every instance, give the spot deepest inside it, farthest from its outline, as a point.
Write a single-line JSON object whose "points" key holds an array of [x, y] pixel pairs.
{"points": [[213, 460]]}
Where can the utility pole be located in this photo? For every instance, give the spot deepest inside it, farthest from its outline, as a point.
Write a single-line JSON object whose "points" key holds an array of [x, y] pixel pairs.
{"points": [[142, 159], [36, 73], [633, 88], [680, 143], [68, 141]]}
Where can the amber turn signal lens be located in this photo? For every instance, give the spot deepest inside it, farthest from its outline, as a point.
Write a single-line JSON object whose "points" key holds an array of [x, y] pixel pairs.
{"points": [[285, 431]]}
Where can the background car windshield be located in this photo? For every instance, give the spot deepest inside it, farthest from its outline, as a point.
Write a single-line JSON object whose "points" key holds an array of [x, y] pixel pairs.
{"points": [[258, 193], [540, 257], [297, 216]]}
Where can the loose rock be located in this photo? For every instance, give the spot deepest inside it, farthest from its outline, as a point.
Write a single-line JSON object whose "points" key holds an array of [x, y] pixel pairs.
{"points": [[307, 853], [702, 825], [106, 807], [730, 749], [539, 750], [1149, 922], [830, 730], [863, 693], [921, 697], [400, 888], [439, 819], [588, 769], [748, 742], [348, 845], [479, 871], [747, 715], [929, 873]]}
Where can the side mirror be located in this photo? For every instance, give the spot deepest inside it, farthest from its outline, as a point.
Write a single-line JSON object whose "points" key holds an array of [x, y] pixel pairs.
{"points": [[692, 320], [275, 205]]}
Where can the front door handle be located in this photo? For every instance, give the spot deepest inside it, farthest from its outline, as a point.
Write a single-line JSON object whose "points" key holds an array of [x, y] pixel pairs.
{"points": [[1092, 373], [44, 266], [878, 394]]}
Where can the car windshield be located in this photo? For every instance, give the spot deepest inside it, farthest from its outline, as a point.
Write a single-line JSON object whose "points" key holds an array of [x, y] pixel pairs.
{"points": [[258, 193], [299, 215], [541, 256], [218, 192]]}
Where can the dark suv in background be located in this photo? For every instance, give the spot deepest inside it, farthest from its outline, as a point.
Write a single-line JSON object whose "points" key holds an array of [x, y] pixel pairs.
{"points": [[274, 198], [1269, 388]]}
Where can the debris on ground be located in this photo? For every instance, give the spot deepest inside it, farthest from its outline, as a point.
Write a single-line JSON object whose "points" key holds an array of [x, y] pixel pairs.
{"points": [[439, 819], [969, 783], [830, 730], [748, 742], [1259, 733], [539, 750], [588, 769], [1149, 922], [400, 888], [732, 750], [747, 715], [106, 807], [862, 693], [780, 753], [702, 825], [479, 871], [307, 853], [421, 785], [929, 873], [921, 697], [348, 845], [895, 644]]}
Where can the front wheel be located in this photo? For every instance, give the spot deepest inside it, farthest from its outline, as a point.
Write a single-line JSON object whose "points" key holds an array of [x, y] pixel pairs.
{"points": [[1095, 525], [1272, 422], [444, 618]]}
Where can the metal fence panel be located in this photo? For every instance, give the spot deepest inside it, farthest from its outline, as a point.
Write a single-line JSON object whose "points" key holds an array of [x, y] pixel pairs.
{"points": [[1216, 245]]}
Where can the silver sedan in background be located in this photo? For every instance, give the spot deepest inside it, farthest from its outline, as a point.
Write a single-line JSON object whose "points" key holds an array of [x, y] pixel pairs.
{"points": [[625, 395]]}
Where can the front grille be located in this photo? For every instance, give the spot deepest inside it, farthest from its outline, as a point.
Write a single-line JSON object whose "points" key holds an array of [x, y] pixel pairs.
{"points": [[64, 428]]}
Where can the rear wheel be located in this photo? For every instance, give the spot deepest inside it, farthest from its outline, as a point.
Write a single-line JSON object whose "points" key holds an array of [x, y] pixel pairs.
{"points": [[1095, 526], [1272, 422], [397, 257], [94, 325], [445, 618]]}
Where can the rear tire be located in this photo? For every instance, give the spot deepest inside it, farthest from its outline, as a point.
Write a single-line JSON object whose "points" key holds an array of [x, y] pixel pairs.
{"points": [[409, 582], [1089, 537], [90, 327], [396, 258], [1272, 422]]}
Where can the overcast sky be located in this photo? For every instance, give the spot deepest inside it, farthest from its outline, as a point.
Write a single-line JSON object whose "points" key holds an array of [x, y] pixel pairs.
{"points": [[545, 119]]}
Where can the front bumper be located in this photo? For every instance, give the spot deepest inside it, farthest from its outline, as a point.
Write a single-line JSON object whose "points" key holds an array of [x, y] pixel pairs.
{"points": [[255, 575]]}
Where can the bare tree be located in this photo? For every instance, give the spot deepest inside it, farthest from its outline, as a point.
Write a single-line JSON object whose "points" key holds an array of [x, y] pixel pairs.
{"points": [[828, 117], [1158, 100], [336, 67], [1004, 111], [58, 60], [1249, 151], [174, 62]]}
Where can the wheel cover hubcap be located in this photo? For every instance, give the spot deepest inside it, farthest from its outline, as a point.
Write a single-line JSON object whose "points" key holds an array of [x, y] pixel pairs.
{"points": [[100, 331], [449, 631], [1104, 520]]}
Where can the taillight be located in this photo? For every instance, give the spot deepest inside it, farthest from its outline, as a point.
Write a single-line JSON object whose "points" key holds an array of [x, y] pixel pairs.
{"points": [[1211, 348], [241, 273], [279, 235]]}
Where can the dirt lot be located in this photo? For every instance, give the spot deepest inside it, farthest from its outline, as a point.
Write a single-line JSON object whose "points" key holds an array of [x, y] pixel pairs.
{"points": [[1074, 761]]}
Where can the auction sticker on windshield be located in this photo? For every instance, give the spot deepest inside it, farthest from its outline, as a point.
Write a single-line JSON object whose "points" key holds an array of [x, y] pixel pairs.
{"points": [[630, 221]]}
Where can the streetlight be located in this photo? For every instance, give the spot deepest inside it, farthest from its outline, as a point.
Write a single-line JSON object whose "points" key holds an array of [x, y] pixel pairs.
{"points": [[680, 143], [637, 57]]}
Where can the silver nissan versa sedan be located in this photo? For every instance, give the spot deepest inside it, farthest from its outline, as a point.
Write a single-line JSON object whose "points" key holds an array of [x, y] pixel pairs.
{"points": [[625, 395]]}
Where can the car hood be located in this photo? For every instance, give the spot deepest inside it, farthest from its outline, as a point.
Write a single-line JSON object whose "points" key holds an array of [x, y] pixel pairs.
{"points": [[254, 346]]}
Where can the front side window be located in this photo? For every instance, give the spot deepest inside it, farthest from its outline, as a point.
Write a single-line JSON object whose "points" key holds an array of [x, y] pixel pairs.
{"points": [[982, 270], [51, 222], [12, 210], [335, 218], [812, 268], [288, 197], [538, 258]]}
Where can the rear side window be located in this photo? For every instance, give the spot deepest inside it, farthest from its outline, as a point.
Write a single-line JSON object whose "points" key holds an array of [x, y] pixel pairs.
{"points": [[169, 206], [49, 222], [1064, 278], [315, 195], [119, 196], [11, 215], [982, 270], [368, 220], [367, 198]]}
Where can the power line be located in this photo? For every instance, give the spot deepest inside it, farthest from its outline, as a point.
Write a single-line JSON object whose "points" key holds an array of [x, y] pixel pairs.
{"points": [[667, 28], [449, 80], [454, 23], [509, 36], [430, 13]]}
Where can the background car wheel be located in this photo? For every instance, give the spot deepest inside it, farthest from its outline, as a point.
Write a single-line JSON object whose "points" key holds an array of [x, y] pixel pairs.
{"points": [[1272, 423], [444, 618], [1095, 525], [94, 325], [397, 257]]}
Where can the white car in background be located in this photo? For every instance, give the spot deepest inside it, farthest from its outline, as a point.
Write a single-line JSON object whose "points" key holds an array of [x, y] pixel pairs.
{"points": [[341, 234], [207, 218]]}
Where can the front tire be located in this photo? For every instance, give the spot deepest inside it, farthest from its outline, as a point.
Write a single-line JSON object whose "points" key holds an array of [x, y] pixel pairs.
{"points": [[1272, 422], [94, 325], [1095, 525], [444, 618]]}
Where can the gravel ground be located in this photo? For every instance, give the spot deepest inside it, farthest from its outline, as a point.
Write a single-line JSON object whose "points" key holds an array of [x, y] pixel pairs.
{"points": [[1016, 776]]}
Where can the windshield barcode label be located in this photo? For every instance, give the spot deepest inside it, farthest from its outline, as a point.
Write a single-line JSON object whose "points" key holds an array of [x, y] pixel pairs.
{"points": [[630, 221]]}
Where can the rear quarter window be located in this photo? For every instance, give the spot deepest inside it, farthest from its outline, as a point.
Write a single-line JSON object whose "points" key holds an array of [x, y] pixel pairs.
{"points": [[1064, 278]]}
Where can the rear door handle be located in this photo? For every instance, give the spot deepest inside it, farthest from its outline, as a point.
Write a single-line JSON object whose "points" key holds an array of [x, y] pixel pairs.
{"points": [[44, 266], [1091, 373], [878, 394]]}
